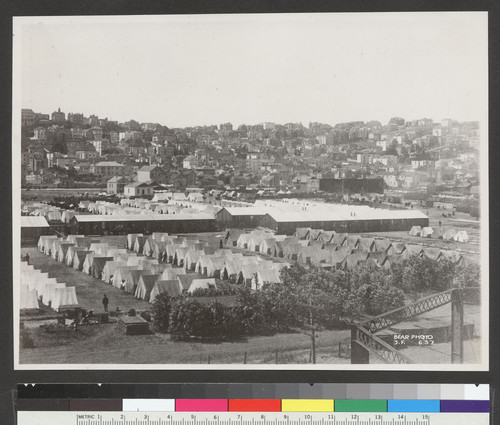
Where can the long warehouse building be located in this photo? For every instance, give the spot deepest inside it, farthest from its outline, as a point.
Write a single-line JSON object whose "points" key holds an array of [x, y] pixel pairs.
{"points": [[124, 224], [353, 219]]}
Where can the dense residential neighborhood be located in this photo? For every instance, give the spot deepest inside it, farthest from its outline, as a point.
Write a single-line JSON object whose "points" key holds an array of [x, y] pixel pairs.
{"points": [[409, 159]]}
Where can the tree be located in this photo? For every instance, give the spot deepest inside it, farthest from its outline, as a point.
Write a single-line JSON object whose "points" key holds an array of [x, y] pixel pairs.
{"points": [[397, 121], [373, 291], [161, 311], [469, 277], [189, 318], [392, 150]]}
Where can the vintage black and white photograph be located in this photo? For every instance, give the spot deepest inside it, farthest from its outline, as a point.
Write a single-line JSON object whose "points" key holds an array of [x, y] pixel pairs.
{"points": [[251, 191]]}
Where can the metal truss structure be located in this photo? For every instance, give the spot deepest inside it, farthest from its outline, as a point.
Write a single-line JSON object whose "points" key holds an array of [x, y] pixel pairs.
{"points": [[378, 347], [402, 314], [364, 342]]}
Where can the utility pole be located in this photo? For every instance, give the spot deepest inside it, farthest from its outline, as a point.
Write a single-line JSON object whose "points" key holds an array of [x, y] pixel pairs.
{"points": [[457, 324], [313, 337]]}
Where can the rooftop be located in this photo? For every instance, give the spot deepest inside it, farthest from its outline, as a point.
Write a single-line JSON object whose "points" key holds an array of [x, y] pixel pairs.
{"points": [[140, 217], [30, 221], [108, 164]]}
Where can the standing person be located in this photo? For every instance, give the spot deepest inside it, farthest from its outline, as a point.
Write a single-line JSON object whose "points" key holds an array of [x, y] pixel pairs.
{"points": [[105, 302], [27, 258]]}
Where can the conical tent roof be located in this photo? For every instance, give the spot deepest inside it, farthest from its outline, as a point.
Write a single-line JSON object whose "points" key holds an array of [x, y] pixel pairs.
{"points": [[63, 249], [231, 268], [431, 253], [427, 232], [120, 275], [413, 249], [449, 234], [110, 269], [28, 300], [415, 231], [186, 279], [87, 264], [79, 259], [64, 297], [145, 286], [132, 279], [131, 237], [438, 233], [339, 239], [98, 265], [171, 274], [380, 245], [461, 236], [202, 284], [171, 287]]}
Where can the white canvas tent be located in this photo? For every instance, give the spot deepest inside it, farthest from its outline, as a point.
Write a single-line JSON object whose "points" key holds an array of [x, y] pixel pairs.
{"points": [[201, 284], [63, 250], [120, 275], [172, 273], [110, 269], [87, 264], [415, 231], [427, 232], [172, 287], [29, 300], [79, 258], [131, 237], [265, 276], [145, 285], [49, 292], [449, 234], [43, 240], [132, 280], [191, 259], [64, 296], [461, 236]]}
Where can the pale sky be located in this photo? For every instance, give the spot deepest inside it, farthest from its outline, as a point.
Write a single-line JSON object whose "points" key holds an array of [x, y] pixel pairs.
{"points": [[196, 70]]}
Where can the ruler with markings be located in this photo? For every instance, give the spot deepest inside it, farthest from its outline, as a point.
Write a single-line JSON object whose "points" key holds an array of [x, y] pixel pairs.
{"points": [[250, 418]]}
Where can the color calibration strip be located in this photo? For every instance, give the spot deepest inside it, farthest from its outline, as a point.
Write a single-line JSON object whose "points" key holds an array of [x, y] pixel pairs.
{"points": [[259, 405], [398, 398]]}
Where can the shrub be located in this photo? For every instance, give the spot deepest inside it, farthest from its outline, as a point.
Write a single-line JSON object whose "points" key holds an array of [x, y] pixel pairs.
{"points": [[189, 318], [424, 274], [161, 312], [469, 277], [146, 316], [222, 289]]}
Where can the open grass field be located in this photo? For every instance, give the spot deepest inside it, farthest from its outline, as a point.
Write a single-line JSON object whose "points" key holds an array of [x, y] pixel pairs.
{"points": [[105, 344]]}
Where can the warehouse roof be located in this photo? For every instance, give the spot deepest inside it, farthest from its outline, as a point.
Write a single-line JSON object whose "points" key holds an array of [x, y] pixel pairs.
{"points": [[33, 221], [141, 217], [235, 211], [340, 213]]}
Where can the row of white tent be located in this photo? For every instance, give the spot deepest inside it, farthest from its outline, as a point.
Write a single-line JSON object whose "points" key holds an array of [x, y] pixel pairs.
{"points": [[146, 277], [51, 213], [37, 286], [336, 250], [143, 207], [196, 256], [439, 233], [139, 275]]}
